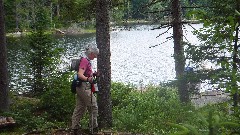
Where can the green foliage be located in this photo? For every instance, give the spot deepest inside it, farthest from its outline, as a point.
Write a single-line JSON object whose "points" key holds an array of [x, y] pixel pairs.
{"points": [[219, 44], [154, 111], [117, 15], [43, 55], [184, 129], [217, 120], [136, 8], [212, 124], [21, 14], [10, 23], [120, 92], [25, 112], [42, 20], [216, 125], [76, 11], [58, 100], [147, 112], [53, 109], [158, 111]]}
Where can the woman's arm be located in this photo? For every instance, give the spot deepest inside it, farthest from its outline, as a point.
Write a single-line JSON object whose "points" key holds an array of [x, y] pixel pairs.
{"points": [[84, 78]]}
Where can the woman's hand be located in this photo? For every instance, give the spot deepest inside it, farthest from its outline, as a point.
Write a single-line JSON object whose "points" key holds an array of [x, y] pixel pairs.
{"points": [[96, 73], [90, 79]]}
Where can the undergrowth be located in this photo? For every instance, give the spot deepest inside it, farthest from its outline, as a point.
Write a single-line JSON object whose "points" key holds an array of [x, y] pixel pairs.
{"points": [[154, 111]]}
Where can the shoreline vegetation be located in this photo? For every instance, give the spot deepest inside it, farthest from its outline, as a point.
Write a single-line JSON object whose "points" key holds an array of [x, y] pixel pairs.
{"points": [[75, 30], [125, 101]]}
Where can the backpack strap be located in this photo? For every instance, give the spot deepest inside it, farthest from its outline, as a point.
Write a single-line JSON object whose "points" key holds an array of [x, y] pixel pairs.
{"points": [[79, 63]]}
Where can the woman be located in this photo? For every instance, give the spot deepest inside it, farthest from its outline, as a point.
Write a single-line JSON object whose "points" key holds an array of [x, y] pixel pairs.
{"points": [[84, 98]]}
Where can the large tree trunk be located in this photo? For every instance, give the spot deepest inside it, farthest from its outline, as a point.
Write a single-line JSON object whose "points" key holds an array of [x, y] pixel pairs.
{"points": [[179, 50], [4, 104], [235, 57], [104, 64]]}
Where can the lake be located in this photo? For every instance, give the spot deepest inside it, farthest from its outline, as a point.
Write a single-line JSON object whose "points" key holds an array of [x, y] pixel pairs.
{"points": [[134, 60]]}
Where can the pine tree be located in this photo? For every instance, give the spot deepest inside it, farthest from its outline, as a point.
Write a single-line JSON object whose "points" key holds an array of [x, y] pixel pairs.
{"points": [[4, 103], [104, 64]]}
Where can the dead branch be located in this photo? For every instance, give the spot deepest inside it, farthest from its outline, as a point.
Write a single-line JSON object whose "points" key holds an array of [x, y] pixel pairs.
{"points": [[164, 32], [168, 39]]}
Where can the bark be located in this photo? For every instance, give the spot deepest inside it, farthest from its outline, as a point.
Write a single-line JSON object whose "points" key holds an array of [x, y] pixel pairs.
{"points": [[235, 60], [179, 50], [4, 103], [104, 64], [234, 81]]}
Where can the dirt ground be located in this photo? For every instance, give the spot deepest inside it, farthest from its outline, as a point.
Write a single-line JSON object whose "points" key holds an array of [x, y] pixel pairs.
{"points": [[68, 132]]}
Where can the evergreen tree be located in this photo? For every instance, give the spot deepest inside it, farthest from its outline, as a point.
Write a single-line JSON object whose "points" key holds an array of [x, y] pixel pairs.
{"points": [[4, 103], [43, 54], [104, 64], [179, 50], [176, 25]]}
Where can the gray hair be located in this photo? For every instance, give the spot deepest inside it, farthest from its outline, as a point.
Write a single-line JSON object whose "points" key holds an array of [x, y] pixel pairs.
{"points": [[91, 49]]}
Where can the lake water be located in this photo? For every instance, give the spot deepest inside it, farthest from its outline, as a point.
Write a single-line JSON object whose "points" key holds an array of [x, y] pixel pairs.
{"points": [[133, 59]]}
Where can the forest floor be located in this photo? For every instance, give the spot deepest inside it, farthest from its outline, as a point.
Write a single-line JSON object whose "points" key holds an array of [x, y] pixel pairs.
{"points": [[68, 132]]}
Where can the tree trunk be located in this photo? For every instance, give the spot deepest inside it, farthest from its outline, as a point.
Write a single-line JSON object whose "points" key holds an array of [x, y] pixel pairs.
{"points": [[4, 103], [104, 64], [179, 50], [235, 57], [234, 72], [58, 11], [17, 17]]}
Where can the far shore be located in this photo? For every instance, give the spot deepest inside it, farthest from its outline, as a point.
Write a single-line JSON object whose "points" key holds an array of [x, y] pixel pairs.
{"points": [[78, 31]]}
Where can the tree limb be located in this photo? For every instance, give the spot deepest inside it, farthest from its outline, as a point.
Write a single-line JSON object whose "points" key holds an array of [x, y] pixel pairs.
{"points": [[164, 32], [168, 39]]}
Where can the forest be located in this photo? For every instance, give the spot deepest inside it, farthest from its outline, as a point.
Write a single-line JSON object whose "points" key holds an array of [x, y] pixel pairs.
{"points": [[162, 109], [21, 14]]}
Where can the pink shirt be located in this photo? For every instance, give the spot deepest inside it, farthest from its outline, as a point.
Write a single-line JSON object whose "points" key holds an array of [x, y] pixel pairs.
{"points": [[86, 65]]}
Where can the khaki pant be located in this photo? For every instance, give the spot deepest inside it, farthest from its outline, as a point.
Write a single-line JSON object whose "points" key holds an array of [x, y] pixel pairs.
{"points": [[83, 102]]}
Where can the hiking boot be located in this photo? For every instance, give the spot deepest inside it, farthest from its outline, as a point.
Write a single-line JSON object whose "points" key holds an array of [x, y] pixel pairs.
{"points": [[85, 131], [76, 132], [95, 131]]}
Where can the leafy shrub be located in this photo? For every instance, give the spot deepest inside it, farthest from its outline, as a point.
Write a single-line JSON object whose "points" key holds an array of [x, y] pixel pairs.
{"points": [[24, 110], [120, 92], [52, 109], [154, 111], [148, 112], [57, 100], [159, 111]]}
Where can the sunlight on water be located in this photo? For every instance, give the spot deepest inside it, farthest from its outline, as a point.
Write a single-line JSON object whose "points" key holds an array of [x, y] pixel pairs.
{"points": [[133, 59]]}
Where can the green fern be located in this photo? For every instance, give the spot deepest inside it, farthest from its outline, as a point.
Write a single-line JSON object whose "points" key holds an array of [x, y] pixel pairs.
{"points": [[202, 119], [213, 122], [183, 130], [192, 130]]}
